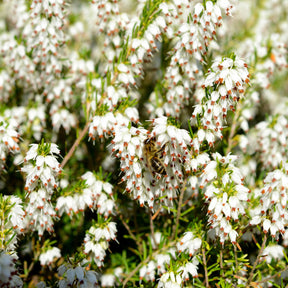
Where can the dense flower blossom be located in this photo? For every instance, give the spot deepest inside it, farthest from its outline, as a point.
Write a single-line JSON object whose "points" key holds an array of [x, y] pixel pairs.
{"points": [[42, 169], [230, 77], [272, 136], [131, 72], [272, 212], [105, 126], [96, 194], [97, 241], [41, 166], [40, 213], [129, 147], [226, 195], [189, 243], [193, 39]]}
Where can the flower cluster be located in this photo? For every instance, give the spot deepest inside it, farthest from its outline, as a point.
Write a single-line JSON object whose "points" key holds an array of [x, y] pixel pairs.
{"points": [[97, 241], [163, 90], [272, 136], [48, 257], [132, 147], [105, 126], [272, 212], [193, 38], [42, 169], [226, 195], [46, 22], [94, 194], [189, 243], [229, 76]]}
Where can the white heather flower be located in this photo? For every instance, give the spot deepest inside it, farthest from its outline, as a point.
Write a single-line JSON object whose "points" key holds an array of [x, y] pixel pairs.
{"points": [[169, 279], [161, 261], [9, 138], [229, 76], [40, 212], [129, 146], [157, 237], [66, 204], [272, 212], [100, 193], [62, 118], [97, 239], [41, 165], [8, 272], [49, 256], [192, 39], [148, 271], [50, 30], [105, 126], [226, 197], [112, 279], [107, 280], [188, 243], [42, 168], [37, 120], [273, 252], [189, 268], [272, 136]]}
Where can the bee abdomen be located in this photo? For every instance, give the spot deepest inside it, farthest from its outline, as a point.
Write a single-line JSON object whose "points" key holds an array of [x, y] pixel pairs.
{"points": [[158, 166]]}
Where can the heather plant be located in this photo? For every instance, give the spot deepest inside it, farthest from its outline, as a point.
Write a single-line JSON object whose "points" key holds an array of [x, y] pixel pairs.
{"points": [[143, 143]]}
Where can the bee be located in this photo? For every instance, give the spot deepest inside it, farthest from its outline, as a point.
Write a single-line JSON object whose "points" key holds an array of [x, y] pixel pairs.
{"points": [[154, 156]]}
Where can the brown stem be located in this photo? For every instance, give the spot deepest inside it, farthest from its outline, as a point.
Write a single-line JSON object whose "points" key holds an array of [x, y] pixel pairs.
{"points": [[134, 271], [175, 227], [152, 229], [75, 145], [273, 276], [236, 260], [156, 214], [205, 268], [257, 260], [221, 262]]}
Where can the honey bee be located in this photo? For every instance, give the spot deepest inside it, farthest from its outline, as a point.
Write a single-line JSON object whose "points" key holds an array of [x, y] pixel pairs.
{"points": [[154, 156]]}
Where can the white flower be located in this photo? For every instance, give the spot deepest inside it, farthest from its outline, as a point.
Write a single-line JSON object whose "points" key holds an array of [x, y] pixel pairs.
{"points": [[226, 197], [188, 243], [189, 268], [49, 256], [169, 279], [273, 252]]}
